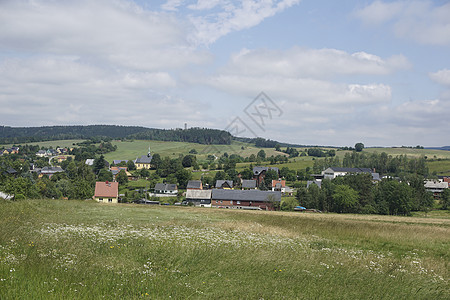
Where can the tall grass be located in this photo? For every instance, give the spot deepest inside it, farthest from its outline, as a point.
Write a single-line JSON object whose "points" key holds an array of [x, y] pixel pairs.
{"points": [[73, 249]]}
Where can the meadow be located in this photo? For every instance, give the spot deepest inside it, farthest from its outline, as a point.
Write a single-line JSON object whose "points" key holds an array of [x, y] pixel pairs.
{"points": [[56, 249], [136, 148]]}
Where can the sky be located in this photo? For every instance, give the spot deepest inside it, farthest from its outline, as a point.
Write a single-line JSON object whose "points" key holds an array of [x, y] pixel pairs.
{"points": [[310, 72]]}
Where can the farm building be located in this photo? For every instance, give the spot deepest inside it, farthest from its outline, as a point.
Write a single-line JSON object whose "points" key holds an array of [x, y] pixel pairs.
{"points": [[245, 199]]}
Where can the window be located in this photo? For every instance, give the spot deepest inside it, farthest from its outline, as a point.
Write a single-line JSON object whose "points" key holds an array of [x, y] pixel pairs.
{"points": [[100, 199], [110, 200], [238, 202], [231, 202]]}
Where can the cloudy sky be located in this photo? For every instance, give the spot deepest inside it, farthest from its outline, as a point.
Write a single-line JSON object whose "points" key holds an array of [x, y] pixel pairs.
{"points": [[331, 72]]}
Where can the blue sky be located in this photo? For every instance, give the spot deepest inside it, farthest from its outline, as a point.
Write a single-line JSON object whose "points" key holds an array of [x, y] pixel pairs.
{"points": [[334, 72]]}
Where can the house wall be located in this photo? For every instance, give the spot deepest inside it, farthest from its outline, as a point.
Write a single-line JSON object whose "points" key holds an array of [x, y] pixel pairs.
{"points": [[142, 166], [106, 200]]}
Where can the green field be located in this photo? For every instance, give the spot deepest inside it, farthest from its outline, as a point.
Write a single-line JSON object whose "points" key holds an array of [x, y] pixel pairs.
{"points": [[52, 249], [136, 148], [53, 144], [441, 167], [411, 152]]}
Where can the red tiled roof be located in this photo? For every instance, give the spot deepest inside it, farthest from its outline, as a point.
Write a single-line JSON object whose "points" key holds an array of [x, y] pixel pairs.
{"points": [[107, 189], [282, 182]]}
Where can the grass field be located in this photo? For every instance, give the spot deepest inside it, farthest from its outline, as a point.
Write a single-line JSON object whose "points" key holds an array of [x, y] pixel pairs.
{"points": [[441, 167], [411, 152], [54, 144], [136, 148], [85, 250]]}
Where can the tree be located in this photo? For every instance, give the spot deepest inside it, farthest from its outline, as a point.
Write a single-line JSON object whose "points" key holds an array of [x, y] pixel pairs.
{"points": [[270, 175], [359, 147], [131, 166], [183, 176], [445, 199], [220, 176], [261, 155], [99, 164], [122, 177], [247, 173], [105, 175], [345, 198], [277, 147], [189, 161], [156, 161]]}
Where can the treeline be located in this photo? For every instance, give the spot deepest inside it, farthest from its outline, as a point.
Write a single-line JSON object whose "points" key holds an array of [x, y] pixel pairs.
{"points": [[379, 162], [357, 194], [15, 135], [263, 143], [192, 135]]}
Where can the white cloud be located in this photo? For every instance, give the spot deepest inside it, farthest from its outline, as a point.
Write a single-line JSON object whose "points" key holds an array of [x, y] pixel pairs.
{"points": [[110, 32], [422, 21], [205, 4], [233, 17], [318, 92], [317, 63], [172, 5], [441, 77]]}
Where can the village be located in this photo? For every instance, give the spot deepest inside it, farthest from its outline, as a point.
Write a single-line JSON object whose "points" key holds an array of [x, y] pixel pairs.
{"points": [[258, 187]]}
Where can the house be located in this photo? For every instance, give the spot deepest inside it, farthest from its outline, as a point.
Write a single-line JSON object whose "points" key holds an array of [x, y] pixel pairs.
{"points": [[10, 172], [89, 161], [143, 162], [436, 187], [249, 184], [166, 189], [279, 185], [48, 171], [118, 161], [245, 199], [194, 185], [115, 171], [316, 182], [259, 173], [288, 191], [51, 152], [224, 184], [334, 172], [200, 198], [41, 153], [61, 158], [12, 150], [107, 192]]}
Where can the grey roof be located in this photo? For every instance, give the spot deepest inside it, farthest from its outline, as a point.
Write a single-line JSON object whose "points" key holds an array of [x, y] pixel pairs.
{"points": [[118, 161], [250, 184], [194, 184], [316, 182], [351, 170], [144, 159], [89, 162], [51, 170], [198, 194], [376, 177], [165, 187], [245, 195], [220, 183], [258, 170]]}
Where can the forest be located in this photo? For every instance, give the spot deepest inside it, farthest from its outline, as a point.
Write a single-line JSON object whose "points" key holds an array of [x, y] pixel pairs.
{"points": [[15, 135]]}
